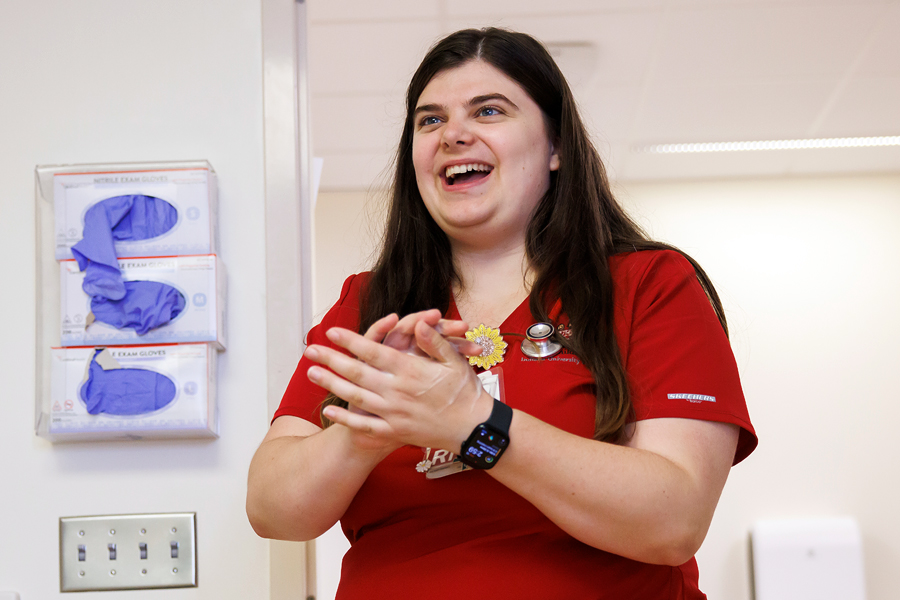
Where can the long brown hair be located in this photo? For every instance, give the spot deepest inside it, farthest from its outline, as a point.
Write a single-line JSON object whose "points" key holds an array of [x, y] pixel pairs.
{"points": [[574, 230]]}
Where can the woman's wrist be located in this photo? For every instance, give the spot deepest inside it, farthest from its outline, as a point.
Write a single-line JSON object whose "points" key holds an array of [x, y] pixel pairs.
{"points": [[360, 449], [481, 412]]}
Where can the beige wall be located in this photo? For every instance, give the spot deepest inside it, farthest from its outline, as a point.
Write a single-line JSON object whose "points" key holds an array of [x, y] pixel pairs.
{"points": [[348, 232], [807, 270]]}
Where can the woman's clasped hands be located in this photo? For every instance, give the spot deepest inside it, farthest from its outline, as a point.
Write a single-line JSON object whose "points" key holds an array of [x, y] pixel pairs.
{"points": [[409, 383]]}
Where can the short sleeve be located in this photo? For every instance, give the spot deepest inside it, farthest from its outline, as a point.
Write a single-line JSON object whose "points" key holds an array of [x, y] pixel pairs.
{"points": [[677, 356], [303, 398]]}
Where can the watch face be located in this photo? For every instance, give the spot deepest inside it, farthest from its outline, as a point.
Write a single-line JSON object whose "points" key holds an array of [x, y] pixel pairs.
{"points": [[484, 447]]}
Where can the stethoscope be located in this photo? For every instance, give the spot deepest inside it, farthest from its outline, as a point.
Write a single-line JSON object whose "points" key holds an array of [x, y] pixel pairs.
{"points": [[538, 344]]}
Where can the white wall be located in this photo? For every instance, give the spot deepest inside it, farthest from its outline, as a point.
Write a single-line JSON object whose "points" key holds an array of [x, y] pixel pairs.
{"points": [[111, 81], [806, 270]]}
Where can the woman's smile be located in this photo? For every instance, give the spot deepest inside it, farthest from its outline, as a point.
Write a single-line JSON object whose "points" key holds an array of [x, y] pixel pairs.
{"points": [[462, 176]]}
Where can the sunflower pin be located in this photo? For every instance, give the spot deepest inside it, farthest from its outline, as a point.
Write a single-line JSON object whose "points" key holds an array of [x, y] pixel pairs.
{"points": [[493, 346]]}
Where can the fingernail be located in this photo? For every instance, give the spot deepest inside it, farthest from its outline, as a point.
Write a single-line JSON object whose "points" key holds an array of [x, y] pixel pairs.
{"points": [[314, 373], [312, 353]]}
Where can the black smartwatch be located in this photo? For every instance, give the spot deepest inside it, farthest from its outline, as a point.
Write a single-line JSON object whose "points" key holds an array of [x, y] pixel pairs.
{"points": [[489, 440]]}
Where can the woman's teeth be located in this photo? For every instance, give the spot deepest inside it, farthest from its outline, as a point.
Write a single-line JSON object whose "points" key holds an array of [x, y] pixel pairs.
{"points": [[457, 170]]}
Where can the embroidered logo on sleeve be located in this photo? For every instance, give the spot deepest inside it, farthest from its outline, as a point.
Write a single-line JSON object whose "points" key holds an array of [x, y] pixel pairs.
{"points": [[695, 398]]}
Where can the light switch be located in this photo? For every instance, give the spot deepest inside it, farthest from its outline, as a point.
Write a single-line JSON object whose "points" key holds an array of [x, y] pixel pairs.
{"points": [[127, 552]]}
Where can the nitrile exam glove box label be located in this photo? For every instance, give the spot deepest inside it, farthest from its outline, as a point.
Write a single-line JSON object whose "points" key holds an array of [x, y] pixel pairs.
{"points": [[191, 192]]}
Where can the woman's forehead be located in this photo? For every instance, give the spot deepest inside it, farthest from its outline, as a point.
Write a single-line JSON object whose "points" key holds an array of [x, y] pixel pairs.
{"points": [[473, 78]]}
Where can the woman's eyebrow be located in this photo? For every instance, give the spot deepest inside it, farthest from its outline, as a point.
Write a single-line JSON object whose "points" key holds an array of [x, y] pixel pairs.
{"points": [[428, 108], [489, 97]]}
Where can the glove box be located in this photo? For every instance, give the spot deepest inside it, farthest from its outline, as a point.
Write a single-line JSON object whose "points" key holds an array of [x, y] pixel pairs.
{"points": [[197, 282], [131, 392]]}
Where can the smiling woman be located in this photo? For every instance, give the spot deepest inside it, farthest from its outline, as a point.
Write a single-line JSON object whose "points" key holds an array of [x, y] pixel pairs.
{"points": [[587, 464]]}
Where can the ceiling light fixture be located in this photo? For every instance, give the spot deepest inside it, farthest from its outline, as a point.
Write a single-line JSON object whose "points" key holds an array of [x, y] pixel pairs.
{"points": [[849, 142]]}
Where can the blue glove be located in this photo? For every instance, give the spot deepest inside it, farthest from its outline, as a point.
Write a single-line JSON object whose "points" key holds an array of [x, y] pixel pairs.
{"points": [[146, 305], [125, 391], [133, 217]]}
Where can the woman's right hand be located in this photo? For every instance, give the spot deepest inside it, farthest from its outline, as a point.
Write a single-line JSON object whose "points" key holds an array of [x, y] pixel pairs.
{"points": [[433, 401], [399, 334]]}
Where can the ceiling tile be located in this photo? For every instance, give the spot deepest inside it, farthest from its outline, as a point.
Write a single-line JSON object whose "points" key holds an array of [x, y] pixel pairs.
{"points": [[364, 10], [459, 9], [367, 57], [781, 2], [882, 57], [729, 112], [763, 43], [623, 43], [867, 107], [608, 110]]}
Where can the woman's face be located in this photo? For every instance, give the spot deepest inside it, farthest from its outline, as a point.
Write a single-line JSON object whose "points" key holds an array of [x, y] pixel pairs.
{"points": [[482, 155]]}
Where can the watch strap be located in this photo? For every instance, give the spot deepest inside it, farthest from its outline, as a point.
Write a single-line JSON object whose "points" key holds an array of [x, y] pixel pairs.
{"points": [[501, 417], [489, 440]]}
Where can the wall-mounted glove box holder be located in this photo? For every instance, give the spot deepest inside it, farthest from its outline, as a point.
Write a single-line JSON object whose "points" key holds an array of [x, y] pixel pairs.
{"points": [[158, 209]]}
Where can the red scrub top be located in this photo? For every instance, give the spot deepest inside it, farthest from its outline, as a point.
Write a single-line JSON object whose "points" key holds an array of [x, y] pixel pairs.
{"points": [[465, 535]]}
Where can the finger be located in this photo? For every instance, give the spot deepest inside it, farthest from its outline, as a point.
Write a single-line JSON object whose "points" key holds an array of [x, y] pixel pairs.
{"points": [[451, 328], [408, 323], [370, 425], [355, 409], [380, 328], [380, 356], [464, 346], [355, 370], [434, 344], [356, 396], [402, 333]]}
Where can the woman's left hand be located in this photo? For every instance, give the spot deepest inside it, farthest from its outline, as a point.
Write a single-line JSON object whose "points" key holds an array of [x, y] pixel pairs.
{"points": [[430, 401]]}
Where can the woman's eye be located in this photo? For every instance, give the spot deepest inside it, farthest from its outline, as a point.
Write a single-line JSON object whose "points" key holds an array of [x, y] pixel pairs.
{"points": [[488, 111], [430, 120]]}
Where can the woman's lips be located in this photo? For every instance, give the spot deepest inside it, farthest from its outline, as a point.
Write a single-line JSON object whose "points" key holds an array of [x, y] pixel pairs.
{"points": [[464, 175]]}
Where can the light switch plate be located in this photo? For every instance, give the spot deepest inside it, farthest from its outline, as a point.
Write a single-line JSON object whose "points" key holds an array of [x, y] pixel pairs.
{"points": [[127, 552]]}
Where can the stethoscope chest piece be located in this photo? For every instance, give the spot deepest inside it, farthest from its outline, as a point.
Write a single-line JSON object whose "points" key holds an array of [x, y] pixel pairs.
{"points": [[538, 344]]}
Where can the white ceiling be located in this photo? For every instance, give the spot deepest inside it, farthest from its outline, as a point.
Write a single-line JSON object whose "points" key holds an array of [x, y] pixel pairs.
{"points": [[644, 72]]}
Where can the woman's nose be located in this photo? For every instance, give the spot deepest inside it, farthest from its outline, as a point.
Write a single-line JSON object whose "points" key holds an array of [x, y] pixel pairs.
{"points": [[457, 132]]}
